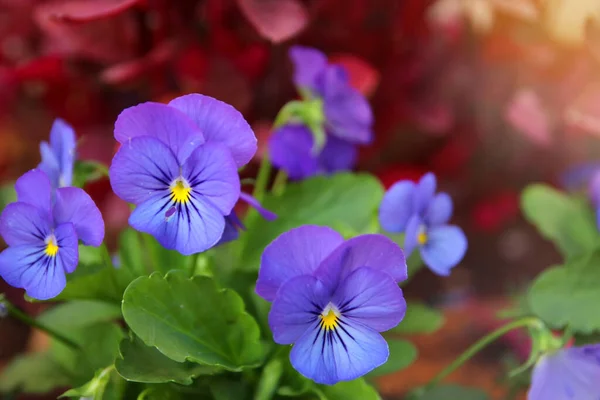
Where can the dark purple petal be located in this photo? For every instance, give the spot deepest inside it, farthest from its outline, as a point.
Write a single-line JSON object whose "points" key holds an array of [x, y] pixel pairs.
{"points": [[266, 214], [24, 224], [74, 205], [142, 168], [424, 193], [34, 188], [374, 251], [439, 210], [397, 207], [344, 353], [62, 141], [297, 307], [413, 228], [372, 298], [299, 251], [445, 248], [232, 229], [212, 173], [220, 123], [290, 149], [160, 121], [308, 64], [337, 155], [568, 374]]}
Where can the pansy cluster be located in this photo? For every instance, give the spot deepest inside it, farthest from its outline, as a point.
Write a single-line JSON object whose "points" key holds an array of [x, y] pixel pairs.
{"points": [[331, 121], [332, 298]]}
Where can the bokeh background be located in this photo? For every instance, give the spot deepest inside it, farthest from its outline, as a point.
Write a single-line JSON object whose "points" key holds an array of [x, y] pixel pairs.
{"points": [[489, 94]]}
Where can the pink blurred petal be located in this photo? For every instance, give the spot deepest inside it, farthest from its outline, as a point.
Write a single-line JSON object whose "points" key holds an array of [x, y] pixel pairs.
{"points": [[526, 114], [276, 20], [85, 10], [363, 77]]}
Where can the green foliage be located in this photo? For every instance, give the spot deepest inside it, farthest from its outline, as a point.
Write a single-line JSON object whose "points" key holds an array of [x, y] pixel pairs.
{"points": [[88, 171], [419, 319], [342, 201], [32, 373], [453, 392], [192, 320], [402, 354], [566, 221], [105, 385], [79, 313], [357, 389], [563, 295]]}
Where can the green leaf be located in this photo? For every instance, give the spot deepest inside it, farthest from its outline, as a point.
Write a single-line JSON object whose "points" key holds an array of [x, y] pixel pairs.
{"points": [[228, 389], [269, 380], [8, 194], [419, 319], [32, 373], [567, 221], [341, 200], [453, 392], [193, 320], [88, 171], [132, 255], [105, 385], [402, 354], [79, 313], [141, 363], [357, 389], [162, 392], [562, 295]]}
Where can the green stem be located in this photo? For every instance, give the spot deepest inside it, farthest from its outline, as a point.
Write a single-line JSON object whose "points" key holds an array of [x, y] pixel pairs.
{"points": [[481, 344], [21, 316], [280, 182], [106, 256], [262, 180]]}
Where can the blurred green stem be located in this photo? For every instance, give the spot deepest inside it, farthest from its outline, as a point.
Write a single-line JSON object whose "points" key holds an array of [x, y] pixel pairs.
{"points": [[262, 180], [280, 182]]}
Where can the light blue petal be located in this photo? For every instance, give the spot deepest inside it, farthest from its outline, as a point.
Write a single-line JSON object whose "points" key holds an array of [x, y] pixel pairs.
{"points": [[34, 188], [397, 206], [424, 192], [445, 248], [345, 353], [439, 210], [50, 164], [413, 228], [74, 205], [62, 140], [24, 224]]}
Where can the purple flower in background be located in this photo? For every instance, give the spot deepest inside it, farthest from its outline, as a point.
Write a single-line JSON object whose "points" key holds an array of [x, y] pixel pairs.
{"points": [[344, 113], [567, 374], [178, 164], [415, 209], [331, 299], [581, 175], [58, 156], [42, 230]]}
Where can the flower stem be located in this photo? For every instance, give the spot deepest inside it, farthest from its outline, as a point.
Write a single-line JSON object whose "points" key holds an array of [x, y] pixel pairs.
{"points": [[481, 344], [262, 180], [21, 316], [280, 182]]}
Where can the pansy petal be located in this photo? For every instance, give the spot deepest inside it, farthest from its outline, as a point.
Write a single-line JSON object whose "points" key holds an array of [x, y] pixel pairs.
{"points": [[290, 149], [445, 248], [62, 140], [252, 202], [397, 207], [299, 251], [50, 164], [371, 298], [141, 168], [349, 116], [424, 192], [22, 223], [34, 188], [296, 308], [221, 123], [344, 353], [308, 64], [412, 232], [189, 228], [160, 121], [439, 210], [374, 251], [211, 172], [74, 205], [337, 155], [68, 247], [231, 231]]}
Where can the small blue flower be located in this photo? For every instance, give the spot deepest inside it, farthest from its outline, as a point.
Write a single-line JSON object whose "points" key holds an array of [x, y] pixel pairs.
{"points": [[58, 156], [178, 163], [331, 299], [415, 209], [567, 374], [42, 230]]}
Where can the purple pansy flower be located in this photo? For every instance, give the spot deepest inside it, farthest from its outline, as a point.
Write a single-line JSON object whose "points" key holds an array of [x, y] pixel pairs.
{"points": [[567, 374], [58, 156], [348, 119], [331, 299], [178, 163], [415, 209], [42, 230]]}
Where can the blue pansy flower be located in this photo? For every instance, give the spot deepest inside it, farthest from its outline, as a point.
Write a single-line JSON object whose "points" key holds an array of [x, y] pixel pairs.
{"points": [[58, 156], [178, 164], [42, 230], [567, 374], [331, 299], [347, 119], [415, 209]]}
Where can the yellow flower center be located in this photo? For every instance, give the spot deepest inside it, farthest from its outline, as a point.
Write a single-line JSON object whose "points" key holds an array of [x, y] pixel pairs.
{"points": [[329, 321], [180, 191], [422, 238], [51, 247]]}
